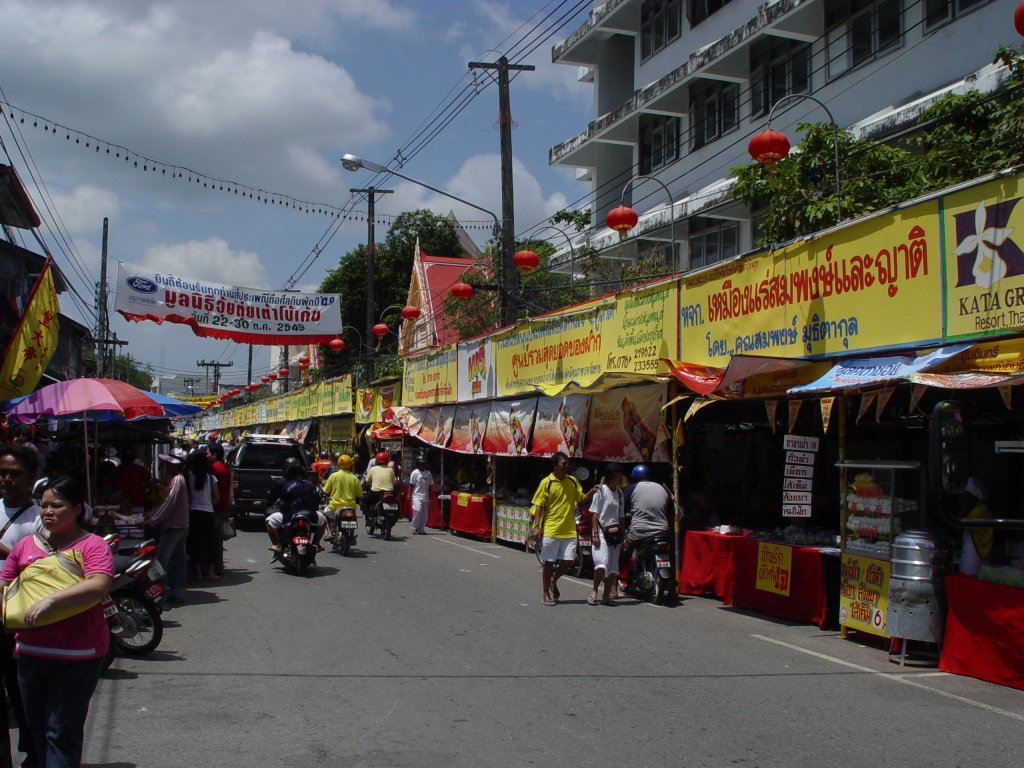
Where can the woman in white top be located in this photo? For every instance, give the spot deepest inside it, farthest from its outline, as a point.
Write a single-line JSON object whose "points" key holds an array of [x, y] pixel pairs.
{"points": [[202, 534], [606, 511]]}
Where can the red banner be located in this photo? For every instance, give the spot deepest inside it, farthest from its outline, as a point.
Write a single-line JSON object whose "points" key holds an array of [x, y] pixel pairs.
{"points": [[508, 427], [628, 425]]}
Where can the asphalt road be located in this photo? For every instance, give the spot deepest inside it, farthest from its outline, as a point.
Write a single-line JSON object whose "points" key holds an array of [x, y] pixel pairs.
{"points": [[435, 651]]}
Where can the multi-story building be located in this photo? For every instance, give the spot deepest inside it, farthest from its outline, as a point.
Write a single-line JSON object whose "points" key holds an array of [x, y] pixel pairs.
{"points": [[680, 87]]}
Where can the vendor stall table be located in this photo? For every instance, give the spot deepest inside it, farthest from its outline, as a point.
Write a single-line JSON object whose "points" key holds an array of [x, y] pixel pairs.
{"points": [[437, 515], [513, 522], [707, 567], [472, 514], [791, 582], [984, 627]]}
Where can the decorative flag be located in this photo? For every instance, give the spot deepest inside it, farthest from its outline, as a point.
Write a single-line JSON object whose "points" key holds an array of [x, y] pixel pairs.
{"points": [[866, 400], [1006, 392], [794, 411], [916, 393], [826, 412], [696, 405], [883, 400], [771, 406], [34, 339], [677, 435]]}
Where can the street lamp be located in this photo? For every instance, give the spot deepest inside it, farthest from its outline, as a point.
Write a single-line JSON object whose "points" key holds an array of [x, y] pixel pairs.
{"points": [[625, 218], [572, 254], [768, 146], [351, 162]]}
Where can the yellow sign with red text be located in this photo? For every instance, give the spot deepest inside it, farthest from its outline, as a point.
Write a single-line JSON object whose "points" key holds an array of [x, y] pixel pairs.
{"points": [[864, 594], [774, 568]]}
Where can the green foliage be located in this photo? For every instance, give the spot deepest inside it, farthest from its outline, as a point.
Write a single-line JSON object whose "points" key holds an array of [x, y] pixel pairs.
{"points": [[580, 220], [131, 371]]}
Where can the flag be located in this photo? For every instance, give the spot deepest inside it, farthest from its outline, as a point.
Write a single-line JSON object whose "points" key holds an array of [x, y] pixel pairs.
{"points": [[826, 412], [34, 339]]}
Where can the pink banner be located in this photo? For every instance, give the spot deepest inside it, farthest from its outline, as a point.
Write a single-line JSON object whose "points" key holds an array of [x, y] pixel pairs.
{"points": [[508, 427], [469, 428], [561, 425], [627, 424]]}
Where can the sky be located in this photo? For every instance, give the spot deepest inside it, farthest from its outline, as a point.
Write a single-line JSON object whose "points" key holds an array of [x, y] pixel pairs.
{"points": [[268, 95]]}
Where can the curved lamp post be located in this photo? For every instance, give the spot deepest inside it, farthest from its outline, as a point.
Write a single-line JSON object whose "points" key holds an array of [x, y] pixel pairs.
{"points": [[572, 254], [624, 218], [768, 146]]}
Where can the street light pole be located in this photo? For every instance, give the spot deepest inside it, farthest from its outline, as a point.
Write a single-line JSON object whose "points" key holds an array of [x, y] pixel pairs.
{"points": [[371, 257], [572, 255], [671, 208]]}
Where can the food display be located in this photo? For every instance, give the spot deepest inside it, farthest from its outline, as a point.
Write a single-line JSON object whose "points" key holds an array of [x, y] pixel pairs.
{"points": [[874, 515]]}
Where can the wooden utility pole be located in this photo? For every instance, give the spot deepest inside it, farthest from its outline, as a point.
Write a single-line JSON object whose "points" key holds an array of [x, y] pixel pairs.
{"points": [[371, 253], [102, 321], [216, 372], [508, 277]]}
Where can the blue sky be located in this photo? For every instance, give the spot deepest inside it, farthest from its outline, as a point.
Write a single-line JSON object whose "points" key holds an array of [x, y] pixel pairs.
{"points": [[267, 94]]}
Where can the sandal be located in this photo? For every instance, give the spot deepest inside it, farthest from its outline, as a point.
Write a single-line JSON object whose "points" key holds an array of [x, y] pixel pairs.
{"points": [[554, 591], [592, 601], [548, 601]]}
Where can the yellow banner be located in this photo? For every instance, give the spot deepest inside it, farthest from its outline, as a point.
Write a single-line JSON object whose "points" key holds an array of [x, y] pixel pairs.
{"points": [[864, 594], [34, 339], [430, 378], [642, 331], [984, 263], [868, 285], [550, 352], [774, 568]]}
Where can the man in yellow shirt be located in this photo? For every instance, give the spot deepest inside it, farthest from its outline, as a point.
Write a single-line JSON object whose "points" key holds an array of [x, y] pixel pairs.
{"points": [[342, 487], [553, 524]]}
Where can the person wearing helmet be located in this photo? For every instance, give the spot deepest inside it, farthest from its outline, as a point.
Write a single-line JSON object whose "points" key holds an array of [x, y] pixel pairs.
{"points": [[647, 504], [379, 479], [421, 479], [297, 494], [342, 487], [322, 464]]}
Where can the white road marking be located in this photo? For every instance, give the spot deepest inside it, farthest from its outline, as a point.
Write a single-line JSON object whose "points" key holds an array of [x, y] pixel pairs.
{"points": [[463, 546], [896, 678]]}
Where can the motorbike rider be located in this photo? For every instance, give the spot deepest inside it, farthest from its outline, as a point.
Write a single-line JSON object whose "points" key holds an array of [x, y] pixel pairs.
{"points": [[342, 487], [647, 504], [322, 464], [295, 495], [379, 480]]}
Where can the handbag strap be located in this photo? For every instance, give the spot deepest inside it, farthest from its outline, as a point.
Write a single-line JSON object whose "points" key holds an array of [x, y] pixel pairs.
{"points": [[14, 517]]}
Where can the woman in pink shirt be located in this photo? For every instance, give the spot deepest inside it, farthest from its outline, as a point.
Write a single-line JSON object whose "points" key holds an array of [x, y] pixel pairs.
{"points": [[59, 663]]}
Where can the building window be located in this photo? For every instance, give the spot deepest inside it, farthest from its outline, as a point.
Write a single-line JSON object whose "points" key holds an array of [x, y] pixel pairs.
{"points": [[712, 241], [659, 142], [660, 24], [777, 68], [714, 111], [859, 30], [938, 12], [698, 10]]}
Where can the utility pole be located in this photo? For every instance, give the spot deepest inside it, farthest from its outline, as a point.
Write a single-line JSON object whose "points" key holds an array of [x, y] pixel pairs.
{"points": [[508, 277], [189, 382], [371, 253], [285, 380], [216, 371], [102, 320], [248, 372]]}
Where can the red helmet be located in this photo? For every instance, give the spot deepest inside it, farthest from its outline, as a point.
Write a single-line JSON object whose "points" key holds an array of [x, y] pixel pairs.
{"points": [[382, 458]]}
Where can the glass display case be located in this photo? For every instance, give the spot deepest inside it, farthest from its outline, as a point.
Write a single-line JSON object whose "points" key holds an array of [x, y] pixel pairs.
{"points": [[879, 500]]}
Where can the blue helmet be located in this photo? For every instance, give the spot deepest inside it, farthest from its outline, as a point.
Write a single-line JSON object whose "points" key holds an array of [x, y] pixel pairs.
{"points": [[640, 472]]}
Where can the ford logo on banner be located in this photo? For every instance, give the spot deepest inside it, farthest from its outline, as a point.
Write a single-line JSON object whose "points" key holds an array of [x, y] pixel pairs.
{"points": [[141, 284]]}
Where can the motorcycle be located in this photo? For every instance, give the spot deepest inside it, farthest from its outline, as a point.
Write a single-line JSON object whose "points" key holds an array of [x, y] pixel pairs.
{"points": [[583, 563], [344, 523], [382, 516], [134, 603], [650, 574], [298, 552]]}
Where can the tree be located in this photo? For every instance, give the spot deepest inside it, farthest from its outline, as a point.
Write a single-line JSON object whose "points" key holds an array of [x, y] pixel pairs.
{"points": [[129, 370]]}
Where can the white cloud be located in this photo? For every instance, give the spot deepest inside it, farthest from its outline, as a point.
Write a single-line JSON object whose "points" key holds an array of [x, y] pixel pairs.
{"points": [[83, 209], [210, 260]]}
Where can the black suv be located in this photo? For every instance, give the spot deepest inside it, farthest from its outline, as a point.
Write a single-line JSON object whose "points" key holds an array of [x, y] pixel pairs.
{"points": [[256, 464]]}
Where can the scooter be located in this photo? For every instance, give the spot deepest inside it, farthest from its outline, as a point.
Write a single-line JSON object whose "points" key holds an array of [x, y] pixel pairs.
{"points": [[382, 516], [650, 575], [298, 552], [344, 523], [134, 604], [583, 564]]}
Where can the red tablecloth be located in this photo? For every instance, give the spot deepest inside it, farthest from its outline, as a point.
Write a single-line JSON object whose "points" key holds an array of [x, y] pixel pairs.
{"points": [[806, 600], [984, 627], [472, 514], [435, 519], [707, 567]]}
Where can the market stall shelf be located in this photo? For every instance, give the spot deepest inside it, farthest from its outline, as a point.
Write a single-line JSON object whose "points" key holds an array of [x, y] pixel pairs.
{"points": [[471, 514]]}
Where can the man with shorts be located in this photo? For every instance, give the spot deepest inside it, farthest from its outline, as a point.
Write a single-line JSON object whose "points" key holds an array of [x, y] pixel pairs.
{"points": [[553, 524]]}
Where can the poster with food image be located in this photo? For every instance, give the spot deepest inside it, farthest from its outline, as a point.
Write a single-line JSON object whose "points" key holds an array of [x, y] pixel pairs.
{"points": [[445, 425], [509, 426], [365, 401], [627, 424], [469, 427], [560, 425]]}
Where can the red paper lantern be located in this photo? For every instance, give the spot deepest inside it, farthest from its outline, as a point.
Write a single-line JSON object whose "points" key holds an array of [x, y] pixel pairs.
{"points": [[462, 290], [272, 376], [303, 360], [621, 219], [283, 372], [409, 312], [336, 345], [380, 330], [264, 379], [768, 147], [303, 366], [526, 259], [1018, 19]]}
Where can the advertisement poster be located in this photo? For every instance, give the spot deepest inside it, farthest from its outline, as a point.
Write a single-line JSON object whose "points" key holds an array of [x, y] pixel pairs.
{"points": [[342, 387], [386, 398], [476, 370], [983, 259], [365, 400], [864, 594], [774, 568], [872, 284], [212, 310], [643, 330], [561, 425], [469, 428], [628, 425], [435, 424], [554, 351], [509, 426], [430, 378]]}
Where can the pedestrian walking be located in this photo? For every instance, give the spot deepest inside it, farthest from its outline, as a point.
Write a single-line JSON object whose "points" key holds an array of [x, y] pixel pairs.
{"points": [[607, 512], [171, 518], [421, 479]]}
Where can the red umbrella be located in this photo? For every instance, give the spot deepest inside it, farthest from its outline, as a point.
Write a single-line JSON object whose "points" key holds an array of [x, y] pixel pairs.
{"points": [[98, 398]]}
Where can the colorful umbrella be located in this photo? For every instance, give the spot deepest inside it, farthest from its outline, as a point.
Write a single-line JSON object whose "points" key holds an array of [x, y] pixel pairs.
{"points": [[95, 399]]}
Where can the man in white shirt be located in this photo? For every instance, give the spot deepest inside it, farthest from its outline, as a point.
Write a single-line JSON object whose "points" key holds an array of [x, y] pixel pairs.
{"points": [[421, 479]]}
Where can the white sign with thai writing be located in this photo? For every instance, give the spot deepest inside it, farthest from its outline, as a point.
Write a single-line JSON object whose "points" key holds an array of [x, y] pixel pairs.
{"points": [[796, 484], [801, 443], [796, 457], [800, 470], [796, 510]]}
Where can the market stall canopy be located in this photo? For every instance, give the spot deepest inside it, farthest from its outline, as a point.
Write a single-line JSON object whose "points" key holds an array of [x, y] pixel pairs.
{"points": [[599, 383], [747, 376], [871, 372], [94, 399]]}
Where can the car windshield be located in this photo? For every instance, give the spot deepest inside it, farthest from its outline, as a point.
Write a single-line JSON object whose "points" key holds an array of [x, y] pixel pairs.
{"points": [[258, 456]]}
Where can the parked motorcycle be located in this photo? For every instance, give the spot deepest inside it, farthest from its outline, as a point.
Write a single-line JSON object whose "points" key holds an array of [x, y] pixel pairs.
{"points": [[382, 516], [651, 575], [583, 564], [298, 551], [133, 606], [344, 523]]}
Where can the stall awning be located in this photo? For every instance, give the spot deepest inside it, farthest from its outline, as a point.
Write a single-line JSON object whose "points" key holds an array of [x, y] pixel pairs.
{"points": [[298, 429], [871, 372], [746, 376]]}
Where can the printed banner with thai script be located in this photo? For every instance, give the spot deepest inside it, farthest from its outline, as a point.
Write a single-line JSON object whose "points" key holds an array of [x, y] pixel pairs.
{"points": [[34, 339], [875, 371], [869, 285], [430, 378], [469, 428], [864, 594], [628, 425], [476, 370], [774, 568], [561, 425], [642, 331], [508, 427], [212, 310], [549, 353]]}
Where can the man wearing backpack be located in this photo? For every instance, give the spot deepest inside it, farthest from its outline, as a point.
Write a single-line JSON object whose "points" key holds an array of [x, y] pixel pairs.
{"points": [[553, 524]]}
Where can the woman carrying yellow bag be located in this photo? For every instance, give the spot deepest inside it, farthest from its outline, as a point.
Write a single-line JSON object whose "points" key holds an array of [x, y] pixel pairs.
{"points": [[61, 647]]}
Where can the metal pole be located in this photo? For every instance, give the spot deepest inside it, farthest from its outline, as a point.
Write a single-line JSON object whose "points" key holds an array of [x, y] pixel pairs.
{"points": [[104, 321], [371, 258], [671, 208]]}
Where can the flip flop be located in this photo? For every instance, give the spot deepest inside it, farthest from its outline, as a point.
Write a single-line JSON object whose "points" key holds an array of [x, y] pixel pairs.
{"points": [[548, 601], [592, 601]]}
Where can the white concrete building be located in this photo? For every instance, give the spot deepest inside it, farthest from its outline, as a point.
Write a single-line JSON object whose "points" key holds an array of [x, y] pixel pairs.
{"points": [[680, 87]]}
